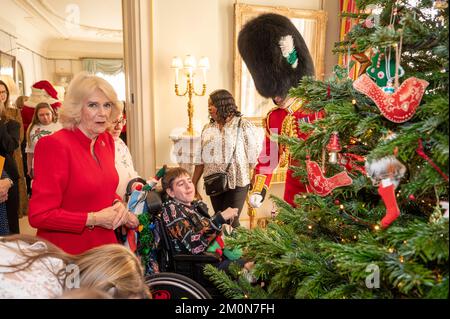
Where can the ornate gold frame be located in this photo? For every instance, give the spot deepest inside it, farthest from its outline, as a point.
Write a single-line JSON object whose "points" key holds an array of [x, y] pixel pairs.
{"points": [[245, 12]]}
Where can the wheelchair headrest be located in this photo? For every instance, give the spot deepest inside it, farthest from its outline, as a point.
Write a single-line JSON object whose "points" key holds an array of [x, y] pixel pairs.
{"points": [[131, 182], [154, 202]]}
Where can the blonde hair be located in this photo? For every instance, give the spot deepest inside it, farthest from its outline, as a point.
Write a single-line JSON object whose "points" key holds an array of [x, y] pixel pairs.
{"points": [[80, 88], [109, 268], [35, 118]]}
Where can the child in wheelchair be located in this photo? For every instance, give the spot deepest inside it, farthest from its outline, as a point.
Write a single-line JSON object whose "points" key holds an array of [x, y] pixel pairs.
{"points": [[191, 228]]}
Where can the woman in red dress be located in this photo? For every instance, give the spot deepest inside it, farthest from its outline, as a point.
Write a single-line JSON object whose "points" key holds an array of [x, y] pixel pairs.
{"points": [[74, 203]]}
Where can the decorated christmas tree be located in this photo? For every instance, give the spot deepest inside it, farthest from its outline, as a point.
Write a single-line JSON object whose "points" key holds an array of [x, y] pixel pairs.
{"points": [[374, 223]]}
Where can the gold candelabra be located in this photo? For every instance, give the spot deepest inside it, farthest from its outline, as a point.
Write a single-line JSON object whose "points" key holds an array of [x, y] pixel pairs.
{"points": [[189, 66]]}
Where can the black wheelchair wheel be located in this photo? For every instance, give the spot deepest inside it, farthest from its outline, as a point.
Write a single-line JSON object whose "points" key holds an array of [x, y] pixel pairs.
{"points": [[169, 285]]}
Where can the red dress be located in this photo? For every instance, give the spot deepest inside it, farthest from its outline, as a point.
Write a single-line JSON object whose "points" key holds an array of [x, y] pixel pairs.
{"points": [[68, 184], [283, 122]]}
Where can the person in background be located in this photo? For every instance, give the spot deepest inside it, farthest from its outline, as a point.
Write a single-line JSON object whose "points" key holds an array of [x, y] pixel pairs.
{"points": [[227, 139], [123, 134], [74, 202], [23, 209], [9, 142], [44, 122], [5, 184], [31, 267], [20, 102], [42, 91], [123, 160], [13, 113]]}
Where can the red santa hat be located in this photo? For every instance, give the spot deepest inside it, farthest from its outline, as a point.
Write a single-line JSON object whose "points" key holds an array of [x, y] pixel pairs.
{"points": [[43, 92]]}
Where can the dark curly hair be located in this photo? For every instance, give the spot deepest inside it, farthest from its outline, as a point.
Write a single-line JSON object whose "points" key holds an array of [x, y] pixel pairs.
{"points": [[225, 105]]}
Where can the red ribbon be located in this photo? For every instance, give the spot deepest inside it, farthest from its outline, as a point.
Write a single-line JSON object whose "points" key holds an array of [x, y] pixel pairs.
{"points": [[422, 154], [347, 160], [328, 91]]}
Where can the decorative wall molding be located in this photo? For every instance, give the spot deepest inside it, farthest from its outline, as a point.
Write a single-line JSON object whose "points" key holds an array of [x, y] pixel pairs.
{"points": [[41, 12]]}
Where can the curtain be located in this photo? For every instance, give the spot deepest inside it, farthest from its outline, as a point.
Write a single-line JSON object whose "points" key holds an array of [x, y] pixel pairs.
{"points": [[105, 66], [347, 6]]}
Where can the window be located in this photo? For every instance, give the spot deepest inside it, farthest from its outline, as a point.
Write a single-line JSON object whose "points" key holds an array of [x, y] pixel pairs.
{"points": [[109, 69], [117, 81], [20, 79]]}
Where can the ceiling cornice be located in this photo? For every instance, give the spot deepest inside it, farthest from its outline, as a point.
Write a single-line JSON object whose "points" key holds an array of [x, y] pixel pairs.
{"points": [[34, 11], [44, 12]]}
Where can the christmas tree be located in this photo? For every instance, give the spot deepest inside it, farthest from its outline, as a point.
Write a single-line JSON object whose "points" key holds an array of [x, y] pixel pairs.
{"points": [[386, 235]]}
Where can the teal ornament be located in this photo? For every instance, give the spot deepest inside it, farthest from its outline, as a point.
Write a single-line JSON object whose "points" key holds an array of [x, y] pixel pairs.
{"points": [[381, 72], [389, 88]]}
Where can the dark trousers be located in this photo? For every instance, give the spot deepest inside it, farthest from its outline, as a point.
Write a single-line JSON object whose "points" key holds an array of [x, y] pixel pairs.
{"points": [[12, 209], [234, 198], [25, 167]]}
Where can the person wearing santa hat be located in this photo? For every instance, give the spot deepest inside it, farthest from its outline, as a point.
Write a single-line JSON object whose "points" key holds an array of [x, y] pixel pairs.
{"points": [[41, 92], [277, 58]]}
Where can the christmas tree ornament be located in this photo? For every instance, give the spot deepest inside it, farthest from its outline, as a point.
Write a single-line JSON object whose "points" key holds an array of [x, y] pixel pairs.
{"points": [[348, 161], [390, 135], [364, 62], [386, 173], [333, 148], [383, 68], [386, 190], [389, 88], [387, 167], [399, 106], [322, 185], [440, 4]]}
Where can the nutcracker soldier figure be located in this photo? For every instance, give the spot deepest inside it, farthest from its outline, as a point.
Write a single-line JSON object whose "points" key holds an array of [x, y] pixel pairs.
{"points": [[277, 58]]}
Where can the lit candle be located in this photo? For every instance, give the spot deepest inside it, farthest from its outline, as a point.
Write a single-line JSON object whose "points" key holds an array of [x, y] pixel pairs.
{"points": [[177, 64], [176, 76], [204, 75], [204, 65]]}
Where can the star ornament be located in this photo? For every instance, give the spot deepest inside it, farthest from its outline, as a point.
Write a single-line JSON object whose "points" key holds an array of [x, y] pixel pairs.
{"points": [[397, 107], [364, 62]]}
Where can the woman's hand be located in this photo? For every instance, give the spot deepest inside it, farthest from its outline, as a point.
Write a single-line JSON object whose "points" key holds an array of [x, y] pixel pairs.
{"points": [[3, 197], [132, 222], [122, 214], [5, 185], [112, 217], [229, 213]]}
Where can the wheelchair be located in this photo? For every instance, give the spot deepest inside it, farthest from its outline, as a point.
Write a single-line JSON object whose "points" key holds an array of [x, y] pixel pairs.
{"points": [[175, 275]]}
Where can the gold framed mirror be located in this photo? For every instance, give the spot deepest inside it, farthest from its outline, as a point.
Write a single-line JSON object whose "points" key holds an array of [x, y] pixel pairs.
{"points": [[311, 25], [8, 65]]}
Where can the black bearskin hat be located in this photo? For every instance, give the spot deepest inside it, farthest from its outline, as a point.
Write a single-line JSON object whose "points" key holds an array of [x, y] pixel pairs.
{"points": [[275, 54]]}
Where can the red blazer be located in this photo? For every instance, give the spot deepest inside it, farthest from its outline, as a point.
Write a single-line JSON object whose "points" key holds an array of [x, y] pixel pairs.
{"points": [[69, 184]]}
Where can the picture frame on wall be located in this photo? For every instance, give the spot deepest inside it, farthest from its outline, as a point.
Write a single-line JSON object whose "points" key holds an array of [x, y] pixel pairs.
{"points": [[8, 65]]}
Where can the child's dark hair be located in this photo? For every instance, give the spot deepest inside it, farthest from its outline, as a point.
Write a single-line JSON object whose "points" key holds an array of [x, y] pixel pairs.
{"points": [[171, 175]]}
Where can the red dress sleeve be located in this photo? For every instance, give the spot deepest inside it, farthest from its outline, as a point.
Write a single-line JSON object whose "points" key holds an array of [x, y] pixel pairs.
{"points": [[51, 177]]}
